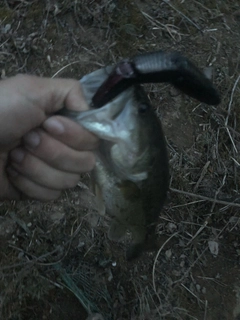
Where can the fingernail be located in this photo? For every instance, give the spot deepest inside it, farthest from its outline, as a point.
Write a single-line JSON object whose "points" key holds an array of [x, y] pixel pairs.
{"points": [[17, 155], [11, 172], [54, 126], [32, 139]]}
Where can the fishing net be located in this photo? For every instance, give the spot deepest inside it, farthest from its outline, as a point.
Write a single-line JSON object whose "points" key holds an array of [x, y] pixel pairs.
{"points": [[86, 283]]}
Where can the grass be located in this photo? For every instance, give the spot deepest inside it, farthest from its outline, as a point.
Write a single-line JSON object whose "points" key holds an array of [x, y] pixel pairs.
{"points": [[183, 280]]}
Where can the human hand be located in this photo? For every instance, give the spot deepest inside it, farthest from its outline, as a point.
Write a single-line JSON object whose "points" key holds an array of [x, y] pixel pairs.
{"points": [[41, 154]]}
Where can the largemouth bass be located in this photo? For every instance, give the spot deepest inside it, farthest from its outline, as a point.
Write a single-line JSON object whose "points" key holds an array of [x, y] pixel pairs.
{"points": [[131, 176]]}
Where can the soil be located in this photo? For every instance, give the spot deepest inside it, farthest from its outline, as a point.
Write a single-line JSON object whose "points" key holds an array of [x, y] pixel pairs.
{"points": [[195, 273]]}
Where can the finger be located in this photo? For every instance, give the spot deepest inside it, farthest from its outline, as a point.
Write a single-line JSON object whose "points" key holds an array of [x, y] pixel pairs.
{"points": [[32, 99], [7, 191], [51, 95], [40, 172], [70, 133], [56, 154], [30, 188]]}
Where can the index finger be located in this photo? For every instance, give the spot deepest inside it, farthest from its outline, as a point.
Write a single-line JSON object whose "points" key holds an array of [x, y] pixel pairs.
{"points": [[70, 133]]}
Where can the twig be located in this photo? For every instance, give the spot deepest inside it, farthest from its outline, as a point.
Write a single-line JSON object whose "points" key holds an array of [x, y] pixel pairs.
{"points": [[190, 267], [235, 148], [204, 170], [187, 204], [52, 282], [20, 222], [201, 5], [229, 111], [171, 29], [205, 310], [231, 100], [233, 204], [198, 258], [217, 192], [183, 15], [64, 67], [198, 232], [236, 162], [156, 258], [214, 280], [30, 262], [191, 292]]}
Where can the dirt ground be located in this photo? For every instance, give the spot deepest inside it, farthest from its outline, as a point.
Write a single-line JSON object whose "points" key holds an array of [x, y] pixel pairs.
{"points": [[47, 248]]}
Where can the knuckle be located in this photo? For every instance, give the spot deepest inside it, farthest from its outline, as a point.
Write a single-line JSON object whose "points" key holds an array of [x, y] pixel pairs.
{"points": [[71, 182], [90, 161], [94, 143]]}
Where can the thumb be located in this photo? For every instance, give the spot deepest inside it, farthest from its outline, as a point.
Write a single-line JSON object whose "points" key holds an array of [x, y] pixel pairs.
{"points": [[51, 95], [27, 101]]}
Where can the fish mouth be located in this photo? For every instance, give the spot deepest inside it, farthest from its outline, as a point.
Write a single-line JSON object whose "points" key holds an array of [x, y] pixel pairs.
{"points": [[116, 124]]}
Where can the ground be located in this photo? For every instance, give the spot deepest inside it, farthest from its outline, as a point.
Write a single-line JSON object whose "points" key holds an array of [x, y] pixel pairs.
{"points": [[47, 248]]}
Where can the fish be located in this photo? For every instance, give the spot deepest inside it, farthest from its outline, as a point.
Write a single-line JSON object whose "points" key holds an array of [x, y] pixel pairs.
{"points": [[131, 176]]}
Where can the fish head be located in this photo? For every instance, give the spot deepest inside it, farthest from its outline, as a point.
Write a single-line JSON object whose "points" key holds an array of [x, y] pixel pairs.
{"points": [[127, 126], [129, 131]]}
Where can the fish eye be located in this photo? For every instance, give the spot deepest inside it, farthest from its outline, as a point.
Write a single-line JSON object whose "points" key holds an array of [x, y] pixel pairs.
{"points": [[143, 108]]}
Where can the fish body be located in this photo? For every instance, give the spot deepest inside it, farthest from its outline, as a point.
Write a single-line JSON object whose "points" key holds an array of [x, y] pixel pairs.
{"points": [[131, 174], [133, 179]]}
